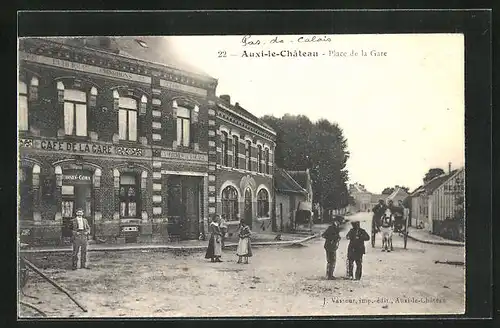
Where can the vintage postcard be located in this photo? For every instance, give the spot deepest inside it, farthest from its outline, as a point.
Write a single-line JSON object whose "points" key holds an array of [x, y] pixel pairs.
{"points": [[241, 175]]}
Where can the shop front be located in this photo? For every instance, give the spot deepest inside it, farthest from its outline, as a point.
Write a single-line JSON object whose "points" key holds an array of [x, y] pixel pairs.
{"points": [[184, 206]]}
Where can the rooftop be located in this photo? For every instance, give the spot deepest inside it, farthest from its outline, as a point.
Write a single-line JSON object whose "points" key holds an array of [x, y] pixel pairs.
{"points": [[284, 183], [153, 49], [301, 177], [225, 100]]}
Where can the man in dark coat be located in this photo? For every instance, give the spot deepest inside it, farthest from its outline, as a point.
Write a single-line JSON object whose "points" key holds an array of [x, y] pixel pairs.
{"points": [[378, 212], [356, 249], [332, 239]]}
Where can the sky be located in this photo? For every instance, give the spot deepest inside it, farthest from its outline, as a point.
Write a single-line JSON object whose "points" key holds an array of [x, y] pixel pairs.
{"points": [[402, 113]]}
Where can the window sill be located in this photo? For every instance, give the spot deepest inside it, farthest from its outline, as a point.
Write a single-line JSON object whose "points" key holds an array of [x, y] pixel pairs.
{"points": [[263, 219]]}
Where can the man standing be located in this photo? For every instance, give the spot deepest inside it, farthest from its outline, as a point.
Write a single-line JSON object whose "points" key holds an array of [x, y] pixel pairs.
{"points": [[332, 239], [81, 230], [378, 212], [356, 249]]}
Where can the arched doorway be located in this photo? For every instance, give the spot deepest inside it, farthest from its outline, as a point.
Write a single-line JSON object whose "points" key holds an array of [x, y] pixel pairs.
{"points": [[248, 207]]}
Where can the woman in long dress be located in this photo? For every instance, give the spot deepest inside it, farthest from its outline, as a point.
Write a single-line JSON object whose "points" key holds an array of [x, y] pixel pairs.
{"points": [[214, 251], [244, 246]]}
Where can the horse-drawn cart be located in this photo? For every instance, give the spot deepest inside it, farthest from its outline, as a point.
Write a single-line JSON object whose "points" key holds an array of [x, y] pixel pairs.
{"points": [[398, 225]]}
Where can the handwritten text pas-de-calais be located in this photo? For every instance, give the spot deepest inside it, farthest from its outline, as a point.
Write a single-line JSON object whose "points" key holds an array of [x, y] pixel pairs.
{"points": [[260, 47]]}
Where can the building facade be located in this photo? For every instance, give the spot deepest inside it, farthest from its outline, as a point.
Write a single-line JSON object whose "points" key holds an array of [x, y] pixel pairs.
{"points": [[435, 205], [124, 138], [363, 198], [242, 157], [289, 195]]}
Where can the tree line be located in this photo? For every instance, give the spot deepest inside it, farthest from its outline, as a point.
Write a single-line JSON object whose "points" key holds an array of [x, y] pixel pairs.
{"points": [[318, 146]]}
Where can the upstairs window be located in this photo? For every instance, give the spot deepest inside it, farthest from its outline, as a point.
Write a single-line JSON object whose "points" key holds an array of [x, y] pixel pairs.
{"points": [[224, 154], [259, 158], [127, 119], [23, 107], [183, 126], [235, 152], [248, 162], [34, 88], [75, 112], [266, 159]]}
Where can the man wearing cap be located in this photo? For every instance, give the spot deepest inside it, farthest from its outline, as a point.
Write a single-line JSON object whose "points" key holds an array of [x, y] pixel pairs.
{"points": [[332, 239], [81, 230], [356, 249]]}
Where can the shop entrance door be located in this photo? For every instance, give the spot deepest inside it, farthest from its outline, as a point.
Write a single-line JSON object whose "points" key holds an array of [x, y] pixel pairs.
{"points": [[76, 193], [190, 195]]}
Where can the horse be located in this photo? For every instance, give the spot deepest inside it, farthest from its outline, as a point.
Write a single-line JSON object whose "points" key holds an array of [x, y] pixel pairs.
{"points": [[387, 226]]}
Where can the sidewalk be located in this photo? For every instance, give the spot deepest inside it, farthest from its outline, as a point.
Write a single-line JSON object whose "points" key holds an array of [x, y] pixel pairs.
{"points": [[186, 245], [424, 236]]}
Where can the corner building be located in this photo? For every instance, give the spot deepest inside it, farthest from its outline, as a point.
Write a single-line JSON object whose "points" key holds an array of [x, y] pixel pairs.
{"points": [[104, 127], [244, 163]]}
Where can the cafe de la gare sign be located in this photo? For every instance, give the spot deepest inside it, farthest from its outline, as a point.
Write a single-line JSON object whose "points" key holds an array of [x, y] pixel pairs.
{"points": [[80, 147]]}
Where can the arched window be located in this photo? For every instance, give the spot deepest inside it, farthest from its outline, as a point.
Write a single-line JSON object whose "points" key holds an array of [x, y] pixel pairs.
{"points": [[230, 203], [183, 126], [23, 106], [127, 118], [262, 203], [75, 112], [224, 154], [259, 158]]}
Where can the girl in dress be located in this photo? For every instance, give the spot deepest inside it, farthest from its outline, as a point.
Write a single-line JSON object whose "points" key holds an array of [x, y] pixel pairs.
{"points": [[244, 246], [214, 251]]}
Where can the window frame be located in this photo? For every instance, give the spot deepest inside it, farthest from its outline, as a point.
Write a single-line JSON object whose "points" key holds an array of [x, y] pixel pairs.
{"points": [[248, 155], [181, 120], [263, 204], [224, 150], [236, 150], [127, 120], [74, 104], [230, 203], [259, 158], [22, 95], [127, 199], [266, 159]]}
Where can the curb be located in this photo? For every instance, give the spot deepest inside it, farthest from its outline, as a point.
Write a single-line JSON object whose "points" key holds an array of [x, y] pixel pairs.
{"points": [[432, 242], [165, 247]]}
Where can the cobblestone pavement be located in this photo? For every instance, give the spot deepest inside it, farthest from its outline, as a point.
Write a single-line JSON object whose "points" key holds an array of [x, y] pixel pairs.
{"points": [[279, 281]]}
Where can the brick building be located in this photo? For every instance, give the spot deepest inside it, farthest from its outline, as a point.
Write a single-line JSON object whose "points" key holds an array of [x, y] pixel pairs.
{"points": [[104, 127], [244, 167]]}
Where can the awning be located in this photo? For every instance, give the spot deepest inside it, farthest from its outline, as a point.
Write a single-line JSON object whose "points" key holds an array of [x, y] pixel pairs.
{"points": [[305, 206]]}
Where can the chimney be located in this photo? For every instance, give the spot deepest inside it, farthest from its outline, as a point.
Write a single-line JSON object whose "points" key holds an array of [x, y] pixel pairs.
{"points": [[226, 98], [449, 167], [237, 104]]}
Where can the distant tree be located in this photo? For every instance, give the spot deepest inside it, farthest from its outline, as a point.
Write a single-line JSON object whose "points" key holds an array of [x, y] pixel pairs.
{"points": [[388, 191], [320, 147], [432, 173]]}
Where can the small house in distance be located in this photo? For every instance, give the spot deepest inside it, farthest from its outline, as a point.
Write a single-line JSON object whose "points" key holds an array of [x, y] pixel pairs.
{"points": [[289, 195], [397, 195]]}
